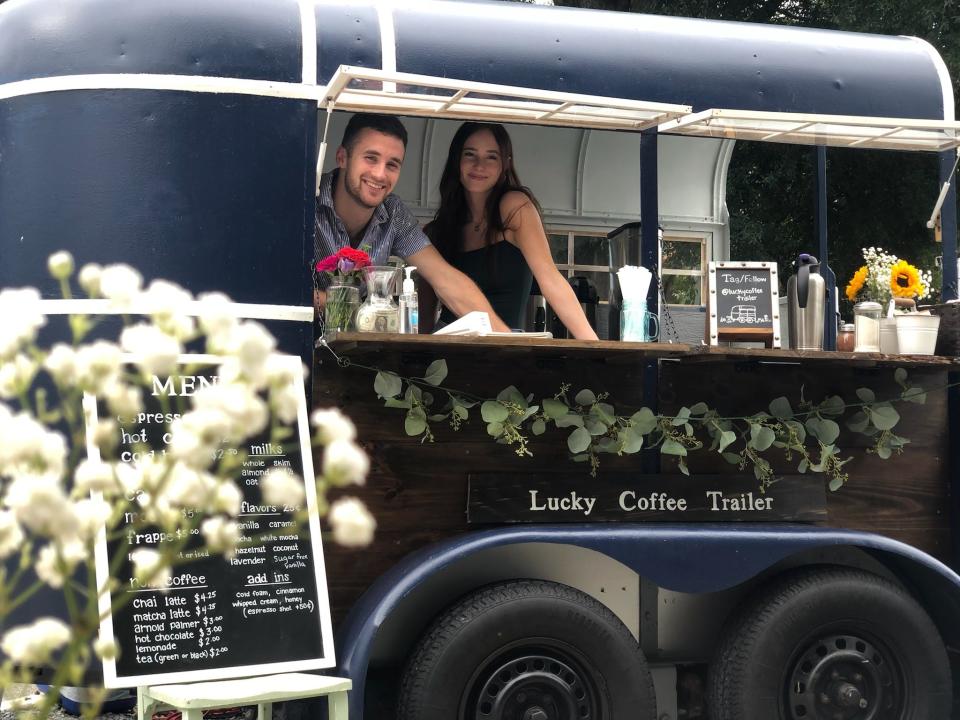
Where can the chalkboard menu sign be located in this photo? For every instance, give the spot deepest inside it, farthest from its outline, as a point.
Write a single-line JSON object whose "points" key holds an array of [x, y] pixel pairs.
{"points": [[743, 303], [263, 610]]}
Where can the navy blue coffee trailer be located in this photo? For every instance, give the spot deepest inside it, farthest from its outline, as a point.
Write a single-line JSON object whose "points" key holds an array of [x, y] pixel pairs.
{"points": [[183, 138]]}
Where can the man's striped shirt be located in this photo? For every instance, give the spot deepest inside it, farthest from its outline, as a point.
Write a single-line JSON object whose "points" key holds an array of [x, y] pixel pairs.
{"points": [[393, 230]]}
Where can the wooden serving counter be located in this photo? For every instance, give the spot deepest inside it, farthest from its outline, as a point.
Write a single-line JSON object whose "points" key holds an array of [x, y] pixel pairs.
{"points": [[418, 491]]}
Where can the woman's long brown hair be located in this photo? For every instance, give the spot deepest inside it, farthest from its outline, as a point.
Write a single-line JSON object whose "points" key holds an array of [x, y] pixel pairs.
{"points": [[446, 229]]}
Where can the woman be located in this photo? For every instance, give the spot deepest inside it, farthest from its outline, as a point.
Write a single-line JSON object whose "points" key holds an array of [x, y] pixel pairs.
{"points": [[489, 227]]}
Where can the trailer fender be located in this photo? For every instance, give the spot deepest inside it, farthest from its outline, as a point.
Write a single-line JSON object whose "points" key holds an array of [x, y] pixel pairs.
{"points": [[683, 558]]}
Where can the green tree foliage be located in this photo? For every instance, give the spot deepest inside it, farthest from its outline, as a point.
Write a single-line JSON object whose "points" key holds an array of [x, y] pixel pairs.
{"points": [[875, 198]]}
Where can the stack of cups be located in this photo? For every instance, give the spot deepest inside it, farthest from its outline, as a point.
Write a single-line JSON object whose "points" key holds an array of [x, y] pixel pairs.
{"points": [[637, 324]]}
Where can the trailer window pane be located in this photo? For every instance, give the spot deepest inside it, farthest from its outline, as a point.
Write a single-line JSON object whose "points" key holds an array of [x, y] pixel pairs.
{"points": [[682, 254], [558, 248], [682, 289], [590, 250]]}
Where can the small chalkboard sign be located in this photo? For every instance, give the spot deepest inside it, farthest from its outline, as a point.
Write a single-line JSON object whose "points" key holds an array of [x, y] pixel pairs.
{"points": [[743, 303], [264, 610]]}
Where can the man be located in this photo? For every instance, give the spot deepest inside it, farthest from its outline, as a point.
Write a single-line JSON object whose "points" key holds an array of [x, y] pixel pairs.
{"points": [[355, 207]]}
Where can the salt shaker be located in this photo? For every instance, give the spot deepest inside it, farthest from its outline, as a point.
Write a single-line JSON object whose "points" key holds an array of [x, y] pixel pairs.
{"points": [[866, 321]]}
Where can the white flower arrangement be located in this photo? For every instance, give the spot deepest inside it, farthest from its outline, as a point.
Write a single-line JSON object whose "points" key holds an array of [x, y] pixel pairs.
{"points": [[55, 500], [884, 276]]}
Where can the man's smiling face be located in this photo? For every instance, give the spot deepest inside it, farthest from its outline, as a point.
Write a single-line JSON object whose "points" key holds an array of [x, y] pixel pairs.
{"points": [[371, 167]]}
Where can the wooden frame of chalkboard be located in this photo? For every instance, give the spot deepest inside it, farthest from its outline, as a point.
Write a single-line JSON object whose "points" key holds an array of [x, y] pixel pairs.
{"points": [[218, 618], [743, 303]]}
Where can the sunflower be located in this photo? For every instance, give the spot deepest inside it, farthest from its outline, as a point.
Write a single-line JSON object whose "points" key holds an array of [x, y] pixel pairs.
{"points": [[905, 280], [856, 283]]}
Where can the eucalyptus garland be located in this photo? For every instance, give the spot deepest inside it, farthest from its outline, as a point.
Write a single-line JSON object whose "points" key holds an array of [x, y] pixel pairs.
{"points": [[807, 433]]}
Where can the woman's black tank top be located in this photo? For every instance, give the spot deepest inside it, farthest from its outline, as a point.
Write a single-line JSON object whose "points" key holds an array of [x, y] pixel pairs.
{"points": [[503, 275]]}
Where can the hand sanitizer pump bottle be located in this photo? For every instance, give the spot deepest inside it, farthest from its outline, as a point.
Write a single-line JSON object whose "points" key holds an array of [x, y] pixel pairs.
{"points": [[409, 305]]}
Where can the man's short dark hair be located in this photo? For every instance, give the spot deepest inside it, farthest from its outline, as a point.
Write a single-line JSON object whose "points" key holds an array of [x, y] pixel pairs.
{"points": [[386, 124]]}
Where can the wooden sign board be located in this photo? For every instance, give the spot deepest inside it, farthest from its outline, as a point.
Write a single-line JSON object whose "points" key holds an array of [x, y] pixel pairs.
{"points": [[533, 498], [743, 303], [265, 610]]}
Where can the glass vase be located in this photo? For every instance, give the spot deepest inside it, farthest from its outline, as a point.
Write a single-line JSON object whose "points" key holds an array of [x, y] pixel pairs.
{"points": [[341, 309], [379, 313]]}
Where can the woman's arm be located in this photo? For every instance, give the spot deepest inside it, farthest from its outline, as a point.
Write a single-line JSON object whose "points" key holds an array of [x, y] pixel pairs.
{"points": [[525, 230]]}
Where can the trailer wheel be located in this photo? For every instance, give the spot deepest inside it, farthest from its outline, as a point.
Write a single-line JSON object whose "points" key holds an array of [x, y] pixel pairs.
{"points": [[825, 644], [527, 650]]}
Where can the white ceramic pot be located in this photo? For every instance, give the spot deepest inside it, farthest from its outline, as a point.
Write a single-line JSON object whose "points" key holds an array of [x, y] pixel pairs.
{"points": [[917, 333], [888, 336]]}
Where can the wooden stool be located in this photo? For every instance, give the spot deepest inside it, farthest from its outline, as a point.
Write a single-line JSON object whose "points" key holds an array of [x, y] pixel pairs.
{"points": [[192, 699]]}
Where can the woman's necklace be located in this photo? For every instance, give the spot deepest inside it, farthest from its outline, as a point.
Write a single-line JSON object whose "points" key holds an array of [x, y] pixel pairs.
{"points": [[477, 225]]}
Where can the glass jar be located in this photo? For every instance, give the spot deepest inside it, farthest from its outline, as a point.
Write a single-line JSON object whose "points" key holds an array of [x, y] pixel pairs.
{"points": [[845, 337], [341, 307], [866, 321], [379, 313]]}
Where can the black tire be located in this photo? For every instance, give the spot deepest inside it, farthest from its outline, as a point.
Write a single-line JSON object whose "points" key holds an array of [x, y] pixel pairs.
{"points": [[510, 648], [827, 643]]}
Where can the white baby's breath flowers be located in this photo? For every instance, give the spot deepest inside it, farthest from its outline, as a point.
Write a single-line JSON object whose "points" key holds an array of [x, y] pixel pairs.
{"points": [[92, 516], [344, 463], [228, 498], [352, 523], [16, 375], [57, 561], [105, 434], [120, 284], [98, 365], [89, 279], [330, 425], [11, 536], [156, 352], [40, 505], [148, 474], [247, 412], [285, 402], [221, 535], [106, 648], [250, 344], [279, 486], [60, 265], [188, 487], [22, 317], [167, 304], [124, 400], [95, 476], [196, 435], [35, 644], [61, 363], [149, 568], [217, 321], [37, 452]]}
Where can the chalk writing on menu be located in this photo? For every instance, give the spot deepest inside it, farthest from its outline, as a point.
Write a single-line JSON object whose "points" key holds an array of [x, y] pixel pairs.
{"points": [[265, 605], [744, 298]]}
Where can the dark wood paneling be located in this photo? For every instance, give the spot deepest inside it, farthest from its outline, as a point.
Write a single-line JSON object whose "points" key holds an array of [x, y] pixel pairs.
{"points": [[418, 492]]}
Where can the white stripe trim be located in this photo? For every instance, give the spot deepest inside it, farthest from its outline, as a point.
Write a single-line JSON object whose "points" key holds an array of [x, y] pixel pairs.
{"points": [[388, 43], [185, 83], [308, 32], [946, 86], [195, 308]]}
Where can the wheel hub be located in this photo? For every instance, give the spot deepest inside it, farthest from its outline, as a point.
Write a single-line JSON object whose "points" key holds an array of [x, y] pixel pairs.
{"points": [[534, 687], [843, 677]]}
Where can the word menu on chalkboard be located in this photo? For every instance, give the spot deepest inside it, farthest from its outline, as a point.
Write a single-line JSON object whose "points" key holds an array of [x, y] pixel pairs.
{"points": [[743, 303], [263, 610]]}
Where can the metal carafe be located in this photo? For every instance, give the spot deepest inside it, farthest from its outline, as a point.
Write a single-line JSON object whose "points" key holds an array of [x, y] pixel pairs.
{"points": [[806, 301]]}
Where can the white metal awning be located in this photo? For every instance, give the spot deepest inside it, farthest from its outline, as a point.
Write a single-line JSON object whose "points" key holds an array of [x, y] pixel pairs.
{"points": [[355, 89], [833, 130]]}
